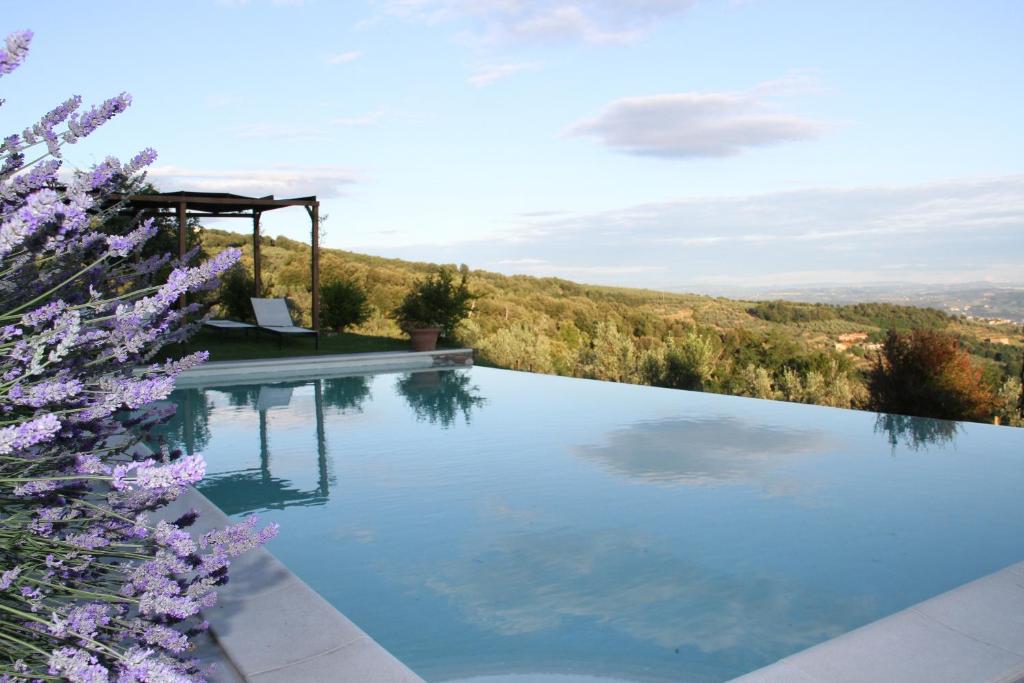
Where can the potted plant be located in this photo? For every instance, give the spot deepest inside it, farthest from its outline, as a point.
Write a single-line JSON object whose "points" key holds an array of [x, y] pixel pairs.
{"points": [[434, 307], [343, 303]]}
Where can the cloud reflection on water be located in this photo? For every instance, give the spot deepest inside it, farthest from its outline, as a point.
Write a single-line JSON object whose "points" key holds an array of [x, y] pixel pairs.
{"points": [[702, 451], [629, 582]]}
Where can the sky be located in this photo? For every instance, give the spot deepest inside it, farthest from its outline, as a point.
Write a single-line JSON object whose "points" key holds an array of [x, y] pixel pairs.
{"points": [[673, 144]]}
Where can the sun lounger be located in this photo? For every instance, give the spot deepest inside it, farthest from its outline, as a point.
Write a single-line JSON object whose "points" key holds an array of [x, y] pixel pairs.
{"points": [[272, 316], [273, 397], [229, 325]]}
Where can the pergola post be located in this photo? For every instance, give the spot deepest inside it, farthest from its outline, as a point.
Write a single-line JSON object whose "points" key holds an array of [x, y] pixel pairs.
{"points": [[182, 242], [314, 214], [258, 288]]}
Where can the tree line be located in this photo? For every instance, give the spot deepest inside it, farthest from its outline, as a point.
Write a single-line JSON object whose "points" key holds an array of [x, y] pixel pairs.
{"points": [[774, 350]]}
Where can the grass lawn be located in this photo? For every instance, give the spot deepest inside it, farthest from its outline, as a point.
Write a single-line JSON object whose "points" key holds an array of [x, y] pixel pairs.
{"points": [[233, 345]]}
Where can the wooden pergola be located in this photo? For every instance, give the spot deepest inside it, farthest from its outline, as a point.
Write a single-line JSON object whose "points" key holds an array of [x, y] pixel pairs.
{"points": [[187, 205]]}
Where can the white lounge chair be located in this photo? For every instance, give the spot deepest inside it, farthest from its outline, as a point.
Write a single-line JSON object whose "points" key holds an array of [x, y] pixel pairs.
{"points": [[272, 316], [216, 324], [273, 397]]}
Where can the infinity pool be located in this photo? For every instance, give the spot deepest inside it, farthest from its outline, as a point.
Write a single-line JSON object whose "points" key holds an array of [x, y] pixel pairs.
{"points": [[489, 525]]}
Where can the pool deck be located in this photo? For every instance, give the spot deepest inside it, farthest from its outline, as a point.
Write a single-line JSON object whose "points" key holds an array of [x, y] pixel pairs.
{"points": [[971, 634], [221, 373]]}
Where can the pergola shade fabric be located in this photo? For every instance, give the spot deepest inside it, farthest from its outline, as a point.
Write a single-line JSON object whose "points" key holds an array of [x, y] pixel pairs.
{"points": [[187, 205]]}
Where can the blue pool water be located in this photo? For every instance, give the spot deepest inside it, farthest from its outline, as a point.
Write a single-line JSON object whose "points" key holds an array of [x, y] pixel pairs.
{"points": [[483, 523]]}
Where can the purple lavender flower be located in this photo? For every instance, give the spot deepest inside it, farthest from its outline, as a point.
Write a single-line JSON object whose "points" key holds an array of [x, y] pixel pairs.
{"points": [[35, 487], [81, 126], [16, 49], [187, 471], [46, 392], [180, 542], [8, 577], [239, 538], [78, 666], [122, 245], [144, 666], [72, 354], [41, 207], [165, 637], [18, 437]]}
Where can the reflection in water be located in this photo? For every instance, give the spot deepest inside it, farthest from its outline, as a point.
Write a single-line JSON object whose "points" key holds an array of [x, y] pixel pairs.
{"points": [[623, 579], [701, 450], [189, 428], [600, 529], [255, 488], [440, 395], [916, 432], [347, 393], [241, 397]]}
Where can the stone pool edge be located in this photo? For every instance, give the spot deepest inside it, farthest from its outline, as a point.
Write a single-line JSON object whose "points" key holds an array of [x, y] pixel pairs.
{"points": [[269, 626], [215, 373], [972, 633]]}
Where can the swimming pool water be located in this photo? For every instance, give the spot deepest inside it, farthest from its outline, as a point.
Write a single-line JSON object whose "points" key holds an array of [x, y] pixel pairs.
{"points": [[483, 523]]}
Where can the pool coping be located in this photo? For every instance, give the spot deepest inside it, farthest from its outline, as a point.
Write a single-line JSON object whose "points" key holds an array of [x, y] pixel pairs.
{"points": [[974, 632], [298, 367], [269, 626]]}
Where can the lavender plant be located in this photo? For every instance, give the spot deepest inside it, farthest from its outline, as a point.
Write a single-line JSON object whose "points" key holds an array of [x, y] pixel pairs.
{"points": [[93, 588]]}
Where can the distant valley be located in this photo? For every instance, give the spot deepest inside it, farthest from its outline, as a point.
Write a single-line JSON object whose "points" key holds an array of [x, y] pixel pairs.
{"points": [[1002, 302]]}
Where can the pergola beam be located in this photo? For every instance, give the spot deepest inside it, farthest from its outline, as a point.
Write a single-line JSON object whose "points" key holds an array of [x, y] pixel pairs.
{"points": [[228, 201]]}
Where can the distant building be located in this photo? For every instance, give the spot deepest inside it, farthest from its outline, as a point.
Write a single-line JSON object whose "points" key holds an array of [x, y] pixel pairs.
{"points": [[853, 337]]}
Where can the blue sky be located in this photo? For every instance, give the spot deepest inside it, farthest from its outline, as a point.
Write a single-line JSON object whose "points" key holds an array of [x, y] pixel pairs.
{"points": [[661, 143]]}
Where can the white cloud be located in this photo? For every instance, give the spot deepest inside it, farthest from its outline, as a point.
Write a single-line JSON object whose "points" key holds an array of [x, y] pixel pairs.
{"points": [[281, 181], [695, 124], [952, 231], [489, 74], [542, 267], [595, 21], [344, 57]]}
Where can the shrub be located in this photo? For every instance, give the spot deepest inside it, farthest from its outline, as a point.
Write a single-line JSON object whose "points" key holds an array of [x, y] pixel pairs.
{"points": [[437, 301], [236, 289], [926, 373], [343, 303], [90, 588]]}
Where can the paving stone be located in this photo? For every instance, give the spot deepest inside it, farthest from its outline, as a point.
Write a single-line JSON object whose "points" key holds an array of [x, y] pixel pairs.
{"points": [[284, 626], [990, 610], [363, 661], [972, 634]]}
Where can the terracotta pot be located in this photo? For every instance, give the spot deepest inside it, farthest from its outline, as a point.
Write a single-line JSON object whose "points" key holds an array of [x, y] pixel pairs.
{"points": [[424, 338]]}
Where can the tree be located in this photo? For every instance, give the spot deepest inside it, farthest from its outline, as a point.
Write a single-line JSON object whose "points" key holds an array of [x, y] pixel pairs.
{"points": [[927, 373], [518, 348], [343, 304], [691, 362], [236, 288], [610, 356]]}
